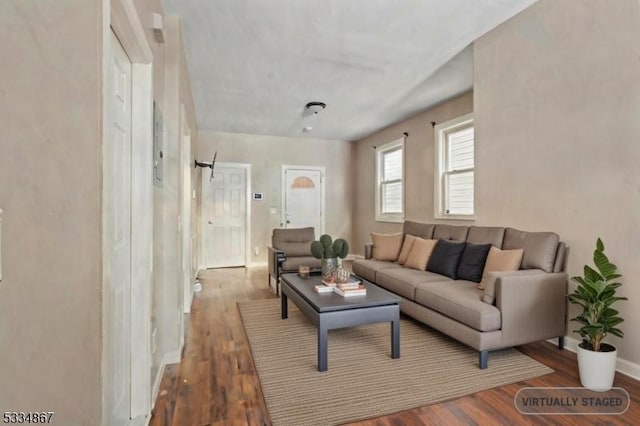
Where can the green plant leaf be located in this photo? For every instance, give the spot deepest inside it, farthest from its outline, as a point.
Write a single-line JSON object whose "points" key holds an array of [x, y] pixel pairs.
{"points": [[590, 274], [605, 267], [617, 332]]}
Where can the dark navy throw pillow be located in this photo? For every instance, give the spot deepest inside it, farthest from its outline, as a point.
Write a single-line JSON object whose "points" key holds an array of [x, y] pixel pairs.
{"points": [[472, 262], [445, 258]]}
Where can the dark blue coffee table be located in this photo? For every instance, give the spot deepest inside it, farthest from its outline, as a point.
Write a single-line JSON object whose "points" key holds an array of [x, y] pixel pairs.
{"points": [[328, 311]]}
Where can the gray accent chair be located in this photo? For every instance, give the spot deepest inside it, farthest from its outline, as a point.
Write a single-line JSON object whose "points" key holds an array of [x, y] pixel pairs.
{"points": [[290, 248]]}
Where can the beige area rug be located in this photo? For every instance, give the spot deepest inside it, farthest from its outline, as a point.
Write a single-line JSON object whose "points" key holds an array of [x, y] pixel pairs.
{"points": [[363, 381]]}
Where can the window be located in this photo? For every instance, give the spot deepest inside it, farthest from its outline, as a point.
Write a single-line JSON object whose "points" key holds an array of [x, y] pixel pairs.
{"points": [[390, 182], [454, 165]]}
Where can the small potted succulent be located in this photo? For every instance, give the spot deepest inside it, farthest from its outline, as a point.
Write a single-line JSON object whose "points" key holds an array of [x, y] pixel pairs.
{"points": [[329, 251], [596, 293]]}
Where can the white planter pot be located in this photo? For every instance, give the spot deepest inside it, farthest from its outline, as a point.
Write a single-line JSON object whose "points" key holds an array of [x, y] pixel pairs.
{"points": [[597, 369]]}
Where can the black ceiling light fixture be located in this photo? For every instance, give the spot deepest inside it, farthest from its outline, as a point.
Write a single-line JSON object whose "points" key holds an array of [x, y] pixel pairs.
{"points": [[315, 107]]}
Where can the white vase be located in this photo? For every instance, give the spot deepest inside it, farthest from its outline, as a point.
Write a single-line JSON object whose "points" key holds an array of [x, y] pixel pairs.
{"points": [[597, 369]]}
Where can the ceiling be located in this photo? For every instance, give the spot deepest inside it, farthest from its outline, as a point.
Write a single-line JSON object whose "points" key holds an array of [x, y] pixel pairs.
{"points": [[254, 64]]}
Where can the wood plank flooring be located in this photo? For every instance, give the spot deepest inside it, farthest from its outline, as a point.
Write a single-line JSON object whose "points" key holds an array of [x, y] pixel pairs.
{"points": [[216, 383]]}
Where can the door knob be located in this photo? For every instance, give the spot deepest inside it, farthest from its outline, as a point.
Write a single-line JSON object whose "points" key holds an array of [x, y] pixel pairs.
{"points": [[210, 223], [288, 221]]}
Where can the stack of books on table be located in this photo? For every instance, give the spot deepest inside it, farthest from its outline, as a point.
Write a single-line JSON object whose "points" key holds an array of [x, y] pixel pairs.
{"points": [[353, 287], [350, 289]]}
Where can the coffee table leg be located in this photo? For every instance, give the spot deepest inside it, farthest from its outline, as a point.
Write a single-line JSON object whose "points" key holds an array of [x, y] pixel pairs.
{"points": [[283, 306], [395, 339], [323, 333]]}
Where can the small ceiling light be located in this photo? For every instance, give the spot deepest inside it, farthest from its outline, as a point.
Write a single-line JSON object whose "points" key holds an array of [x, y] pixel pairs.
{"points": [[316, 107], [307, 129]]}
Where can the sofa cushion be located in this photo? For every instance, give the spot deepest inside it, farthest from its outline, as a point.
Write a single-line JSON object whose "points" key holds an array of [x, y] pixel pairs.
{"points": [[367, 268], [406, 248], [386, 246], [459, 300], [292, 263], [450, 232], [539, 248], [486, 235], [422, 230], [292, 248], [445, 258], [489, 295], [293, 241], [403, 281], [298, 235], [472, 261], [420, 254], [501, 261]]}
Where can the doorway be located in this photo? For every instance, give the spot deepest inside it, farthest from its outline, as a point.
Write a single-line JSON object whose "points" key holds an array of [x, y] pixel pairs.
{"points": [[303, 197], [127, 218], [225, 215], [118, 197]]}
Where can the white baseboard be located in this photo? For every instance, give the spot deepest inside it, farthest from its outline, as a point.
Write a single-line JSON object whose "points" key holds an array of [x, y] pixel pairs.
{"points": [[172, 357], [623, 366], [168, 358]]}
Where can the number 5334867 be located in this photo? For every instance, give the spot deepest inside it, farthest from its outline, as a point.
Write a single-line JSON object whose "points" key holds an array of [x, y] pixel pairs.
{"points": [[27, 417]]}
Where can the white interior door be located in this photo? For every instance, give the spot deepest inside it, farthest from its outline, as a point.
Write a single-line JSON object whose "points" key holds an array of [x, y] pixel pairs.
{"points": [[118, 202], [303, 198], [225, 216]]}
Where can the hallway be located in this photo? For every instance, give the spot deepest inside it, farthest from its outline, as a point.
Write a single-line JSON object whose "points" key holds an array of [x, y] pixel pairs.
{"points": [[215, 383]]}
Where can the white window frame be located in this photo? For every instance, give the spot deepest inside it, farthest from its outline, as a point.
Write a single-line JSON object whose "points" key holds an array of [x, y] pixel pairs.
{"points": [[441, 131], [380, 151]]}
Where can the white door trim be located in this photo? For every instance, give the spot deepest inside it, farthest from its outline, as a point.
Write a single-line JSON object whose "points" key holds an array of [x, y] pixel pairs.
{"points": [[206, 173], [185, 190], [121, 17], [283, 181]]}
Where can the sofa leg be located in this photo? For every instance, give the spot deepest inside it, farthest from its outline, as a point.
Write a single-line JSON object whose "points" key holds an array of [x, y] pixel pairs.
{"points": [[561, 342], [483, 356]]}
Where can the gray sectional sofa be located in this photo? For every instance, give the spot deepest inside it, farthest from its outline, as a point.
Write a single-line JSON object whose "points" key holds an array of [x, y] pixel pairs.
{"points": [[515, 307]]}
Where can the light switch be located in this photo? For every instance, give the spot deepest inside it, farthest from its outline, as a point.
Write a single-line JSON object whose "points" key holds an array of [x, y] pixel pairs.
{"points": [[273, 210]]}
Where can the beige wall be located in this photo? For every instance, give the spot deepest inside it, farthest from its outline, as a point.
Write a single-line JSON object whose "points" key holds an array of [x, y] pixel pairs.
{"points": [[171, 89], [557, 119], [50, 190], [419, 169], [267, 154]]}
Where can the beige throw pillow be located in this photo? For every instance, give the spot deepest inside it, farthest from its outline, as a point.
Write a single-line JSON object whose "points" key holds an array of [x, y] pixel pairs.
{"points": [[406, 248], [386, 246], [501, 260], [420, 253]]}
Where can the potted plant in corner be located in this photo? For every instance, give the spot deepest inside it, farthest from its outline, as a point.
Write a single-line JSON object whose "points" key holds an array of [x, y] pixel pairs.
{"points": [[596, 293], [328, 251]]}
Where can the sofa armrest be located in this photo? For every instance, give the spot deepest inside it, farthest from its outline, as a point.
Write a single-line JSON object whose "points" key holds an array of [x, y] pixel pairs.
{"points": [[533, 306], [275, 257], [368, 250]]}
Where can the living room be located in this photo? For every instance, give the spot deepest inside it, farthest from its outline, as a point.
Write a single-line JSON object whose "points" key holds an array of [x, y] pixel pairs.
{"points": [[544, 98], [554, 100]]}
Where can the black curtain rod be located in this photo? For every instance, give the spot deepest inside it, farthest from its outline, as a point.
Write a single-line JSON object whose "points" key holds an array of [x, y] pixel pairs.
{"points": [[405, 134]]}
